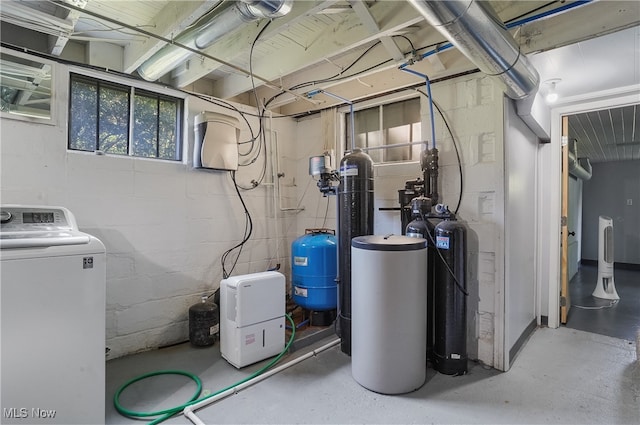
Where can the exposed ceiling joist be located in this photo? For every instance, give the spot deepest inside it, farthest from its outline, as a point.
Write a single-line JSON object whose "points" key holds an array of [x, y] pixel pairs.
{"points": [[22, 15], [174, 18], [376, 61], [335, 41], [238, 44], [363, 12], [58, 43], [547, 33]]}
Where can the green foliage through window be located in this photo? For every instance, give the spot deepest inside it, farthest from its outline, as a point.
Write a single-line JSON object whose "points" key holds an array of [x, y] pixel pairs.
{"points": [[118, 119]]}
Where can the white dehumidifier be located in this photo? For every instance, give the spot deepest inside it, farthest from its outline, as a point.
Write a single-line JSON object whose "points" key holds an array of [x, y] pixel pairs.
{"points": [[252, 322]]}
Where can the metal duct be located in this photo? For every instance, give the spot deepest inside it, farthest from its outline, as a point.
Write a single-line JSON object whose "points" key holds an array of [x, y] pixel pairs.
{"points": [[473, 27], [579, 167], [209, 31]]}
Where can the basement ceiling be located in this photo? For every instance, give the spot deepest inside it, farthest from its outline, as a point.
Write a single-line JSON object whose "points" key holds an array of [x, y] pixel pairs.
{"points": [[607, 135], [350, 48]]}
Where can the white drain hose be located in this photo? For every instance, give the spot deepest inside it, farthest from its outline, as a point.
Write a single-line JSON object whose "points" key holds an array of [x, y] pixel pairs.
{"points": [[189, 411]]}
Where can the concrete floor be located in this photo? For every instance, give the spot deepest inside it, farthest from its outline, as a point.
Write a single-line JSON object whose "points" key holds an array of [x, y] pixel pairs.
{"points": [[591, 314], [561, 376]]}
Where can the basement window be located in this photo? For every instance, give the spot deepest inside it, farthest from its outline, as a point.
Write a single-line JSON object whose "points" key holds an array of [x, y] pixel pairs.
{"points": [[123, 120], [390, 124]]}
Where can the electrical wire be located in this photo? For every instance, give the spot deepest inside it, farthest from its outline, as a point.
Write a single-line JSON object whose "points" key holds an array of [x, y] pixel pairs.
{"points": [[168, 413], [326, 212], [339, 76], [533, 11], [455, 145], [455, 279], [248, 230], [227, 105], [413, 49], [297, 210], [107, 28], [262, 144]]}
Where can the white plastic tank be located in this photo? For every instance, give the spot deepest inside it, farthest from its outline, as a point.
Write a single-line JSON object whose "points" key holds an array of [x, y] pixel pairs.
{"points": [[389, 313]]}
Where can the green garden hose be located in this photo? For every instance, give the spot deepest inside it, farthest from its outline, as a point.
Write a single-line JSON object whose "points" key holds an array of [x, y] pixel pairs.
{"points": [[167, 413]]}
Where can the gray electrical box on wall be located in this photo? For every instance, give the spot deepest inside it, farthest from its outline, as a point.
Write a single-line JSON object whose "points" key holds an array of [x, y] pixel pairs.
{"points": [[216, 141]]}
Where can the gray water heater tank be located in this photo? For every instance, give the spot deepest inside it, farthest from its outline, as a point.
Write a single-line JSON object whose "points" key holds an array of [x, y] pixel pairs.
{"points": [[389, 313]]}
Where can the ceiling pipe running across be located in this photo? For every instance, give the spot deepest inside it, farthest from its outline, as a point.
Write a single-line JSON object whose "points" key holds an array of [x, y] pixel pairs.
{"points": [[209, 31], [473, 27]]}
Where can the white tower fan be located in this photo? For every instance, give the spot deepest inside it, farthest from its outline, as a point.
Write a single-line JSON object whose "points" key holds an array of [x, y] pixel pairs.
{"points": [[605, 287]]}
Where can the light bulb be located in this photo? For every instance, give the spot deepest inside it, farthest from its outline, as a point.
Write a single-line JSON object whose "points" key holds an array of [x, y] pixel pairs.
{"points": [[552, 95]]}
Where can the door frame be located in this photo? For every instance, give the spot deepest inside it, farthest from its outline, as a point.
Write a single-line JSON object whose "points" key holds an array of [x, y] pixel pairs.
{"points": [[622, 96]]}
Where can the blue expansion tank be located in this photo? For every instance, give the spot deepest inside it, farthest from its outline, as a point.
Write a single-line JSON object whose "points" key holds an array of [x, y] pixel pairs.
{"points": [[314, 269]]}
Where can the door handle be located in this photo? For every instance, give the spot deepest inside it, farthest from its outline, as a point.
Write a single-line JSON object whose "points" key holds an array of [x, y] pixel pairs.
{"points": [[572, 233]]}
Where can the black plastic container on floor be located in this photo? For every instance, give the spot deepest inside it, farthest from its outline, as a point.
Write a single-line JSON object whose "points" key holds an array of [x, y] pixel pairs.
{"points": [[203, 323]]}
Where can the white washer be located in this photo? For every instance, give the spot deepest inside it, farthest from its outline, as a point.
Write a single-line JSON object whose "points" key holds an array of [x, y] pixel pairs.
{"points": [[52, 318]]}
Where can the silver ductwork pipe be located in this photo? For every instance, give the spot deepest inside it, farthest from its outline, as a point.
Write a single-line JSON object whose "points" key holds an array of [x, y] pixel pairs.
{"points": [[473, 27], [579, 167], [207, 32]]}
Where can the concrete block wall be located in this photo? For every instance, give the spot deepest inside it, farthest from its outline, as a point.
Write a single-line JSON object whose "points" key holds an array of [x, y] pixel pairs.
{"points": [[474, 109], [311, 140], [164, 224], [473, 106]]}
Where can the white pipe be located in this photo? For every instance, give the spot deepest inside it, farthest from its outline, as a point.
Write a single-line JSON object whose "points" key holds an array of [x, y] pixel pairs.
{"points": [[189, 411], [274, 175], [397, 145], [278, 180]]}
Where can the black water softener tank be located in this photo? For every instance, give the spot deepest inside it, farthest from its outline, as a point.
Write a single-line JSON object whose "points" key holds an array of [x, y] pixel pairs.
{"points": [[450, 304], [355, 218], [203, 323], [422, 226]]}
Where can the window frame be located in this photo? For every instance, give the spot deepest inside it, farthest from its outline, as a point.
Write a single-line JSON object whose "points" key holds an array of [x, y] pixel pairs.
{"points": [[54, 110], [132, 87], [379, 105]]}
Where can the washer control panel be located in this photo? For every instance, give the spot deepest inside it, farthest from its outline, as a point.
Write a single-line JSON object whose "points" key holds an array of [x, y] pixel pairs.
{"points": [[35, 219]]}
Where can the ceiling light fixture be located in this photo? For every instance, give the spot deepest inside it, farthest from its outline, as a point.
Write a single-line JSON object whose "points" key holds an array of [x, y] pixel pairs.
{"points": [[552, 94]]}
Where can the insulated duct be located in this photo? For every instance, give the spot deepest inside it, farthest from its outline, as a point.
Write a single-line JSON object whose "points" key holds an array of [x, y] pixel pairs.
{"points": [[211, 29], [473, 27]]}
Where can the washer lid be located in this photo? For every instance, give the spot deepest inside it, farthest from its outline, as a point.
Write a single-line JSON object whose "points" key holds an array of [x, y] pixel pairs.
{"points": [[42, 239], [389, 243]]}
